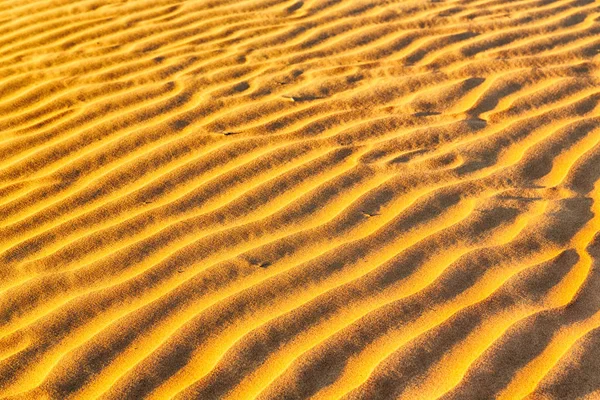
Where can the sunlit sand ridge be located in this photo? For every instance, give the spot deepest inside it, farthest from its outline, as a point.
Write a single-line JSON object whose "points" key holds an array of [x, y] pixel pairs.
{"points": [[239, 199]]}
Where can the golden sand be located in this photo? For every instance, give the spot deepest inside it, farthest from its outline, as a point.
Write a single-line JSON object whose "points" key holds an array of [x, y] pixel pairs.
{"points": [[281, 199]]}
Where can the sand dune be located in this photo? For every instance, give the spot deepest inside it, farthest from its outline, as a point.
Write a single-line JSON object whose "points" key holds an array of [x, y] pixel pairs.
{"points": [[271, 199]]}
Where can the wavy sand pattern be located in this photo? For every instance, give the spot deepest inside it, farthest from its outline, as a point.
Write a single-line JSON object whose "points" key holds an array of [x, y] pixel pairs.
{"points": [[271, 199]]}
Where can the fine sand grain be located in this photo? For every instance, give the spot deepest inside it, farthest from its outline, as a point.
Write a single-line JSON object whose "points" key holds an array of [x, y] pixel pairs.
{"points": [[281, 199]]}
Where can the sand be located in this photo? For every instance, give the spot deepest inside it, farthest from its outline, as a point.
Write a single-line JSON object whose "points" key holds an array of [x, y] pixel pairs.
{"points": [[271, 199]]}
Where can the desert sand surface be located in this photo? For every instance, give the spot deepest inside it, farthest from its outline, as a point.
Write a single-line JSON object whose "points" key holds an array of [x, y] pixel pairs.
{"points": [[318, 199]]}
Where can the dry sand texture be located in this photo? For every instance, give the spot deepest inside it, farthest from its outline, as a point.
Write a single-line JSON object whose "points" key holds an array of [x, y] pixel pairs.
{"points": [[239, 199]]}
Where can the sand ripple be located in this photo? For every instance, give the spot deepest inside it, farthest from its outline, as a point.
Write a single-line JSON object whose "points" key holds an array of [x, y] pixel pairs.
{"points": [[238, 199]]}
